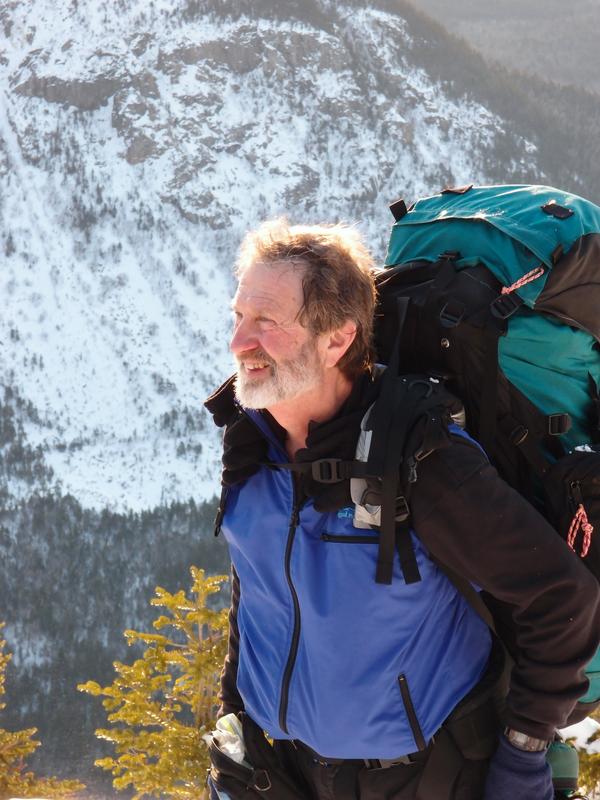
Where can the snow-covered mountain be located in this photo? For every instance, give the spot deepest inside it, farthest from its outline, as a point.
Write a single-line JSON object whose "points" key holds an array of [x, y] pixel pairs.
{"points": [[139, 139]]}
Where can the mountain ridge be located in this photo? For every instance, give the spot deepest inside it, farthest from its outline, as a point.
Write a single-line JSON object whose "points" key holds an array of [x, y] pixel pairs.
{"points": [[138, 157], [138, 143]]}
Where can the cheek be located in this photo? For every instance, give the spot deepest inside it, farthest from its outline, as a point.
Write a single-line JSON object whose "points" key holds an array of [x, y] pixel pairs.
{"points": [[280, 344]]}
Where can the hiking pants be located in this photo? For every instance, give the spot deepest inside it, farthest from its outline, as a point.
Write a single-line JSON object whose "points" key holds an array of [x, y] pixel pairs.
{"points": [[353, 780]]}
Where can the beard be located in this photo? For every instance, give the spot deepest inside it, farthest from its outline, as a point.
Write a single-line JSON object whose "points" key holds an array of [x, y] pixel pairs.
{"points": [[287, 379]]}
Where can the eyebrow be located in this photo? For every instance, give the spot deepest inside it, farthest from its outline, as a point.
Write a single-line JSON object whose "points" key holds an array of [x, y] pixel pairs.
{"points": [[263, 308]]}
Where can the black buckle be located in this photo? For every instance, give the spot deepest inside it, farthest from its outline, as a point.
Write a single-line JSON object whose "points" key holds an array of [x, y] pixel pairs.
{"points": [[558, 423], [505, 305], [402, 509], [452, 314], [422, 453], [261, 780], [519, 435], [386, 763], [327, 470]]}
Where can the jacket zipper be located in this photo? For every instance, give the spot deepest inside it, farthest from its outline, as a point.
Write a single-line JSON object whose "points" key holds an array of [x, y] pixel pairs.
{"points": [[291, 660], [334, 537], [411, 713]]}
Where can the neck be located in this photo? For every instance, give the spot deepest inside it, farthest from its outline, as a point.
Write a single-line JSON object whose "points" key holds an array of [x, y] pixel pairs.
{"points": [[317, 405]]}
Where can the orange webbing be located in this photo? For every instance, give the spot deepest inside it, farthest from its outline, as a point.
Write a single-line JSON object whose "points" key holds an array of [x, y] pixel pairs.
{"points": [[533, 275]]}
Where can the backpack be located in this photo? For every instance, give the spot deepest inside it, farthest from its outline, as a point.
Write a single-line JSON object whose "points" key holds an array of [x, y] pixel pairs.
{"points": [[493, 292]]}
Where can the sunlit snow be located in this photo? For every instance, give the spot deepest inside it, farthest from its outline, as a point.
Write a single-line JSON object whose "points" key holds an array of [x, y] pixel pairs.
{"points": [[137, 147]]}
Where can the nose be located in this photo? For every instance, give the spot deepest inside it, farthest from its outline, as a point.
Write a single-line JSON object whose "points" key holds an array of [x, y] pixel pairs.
{"points": [[244, 338]]}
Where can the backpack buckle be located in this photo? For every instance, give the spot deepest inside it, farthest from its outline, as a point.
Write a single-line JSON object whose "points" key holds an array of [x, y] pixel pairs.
{"points": [[402, 509], [518, 435], [452, 314], [558, 423], [505, 305], [327, 470]]}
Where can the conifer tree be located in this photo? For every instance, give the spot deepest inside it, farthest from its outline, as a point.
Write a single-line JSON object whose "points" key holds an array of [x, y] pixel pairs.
{"points": [[15, 747], [160, 705]]}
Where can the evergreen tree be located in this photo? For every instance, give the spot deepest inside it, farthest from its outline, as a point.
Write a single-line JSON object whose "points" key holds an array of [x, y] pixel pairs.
{"points": [[15, 747], [160, 705]]}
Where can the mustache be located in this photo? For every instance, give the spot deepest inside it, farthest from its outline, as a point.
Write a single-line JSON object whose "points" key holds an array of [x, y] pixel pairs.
{"points": [[257, 355]]}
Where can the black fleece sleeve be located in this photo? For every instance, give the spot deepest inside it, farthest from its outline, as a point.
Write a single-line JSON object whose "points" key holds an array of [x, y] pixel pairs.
{"points": [[231, 702], [472, 521]]}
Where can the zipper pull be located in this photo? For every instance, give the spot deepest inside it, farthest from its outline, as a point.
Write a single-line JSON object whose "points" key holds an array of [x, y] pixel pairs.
{"points": [[295, 516]]}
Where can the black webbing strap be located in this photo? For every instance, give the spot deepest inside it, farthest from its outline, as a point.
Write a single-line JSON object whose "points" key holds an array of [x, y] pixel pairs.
{"points": [[595, 395], [323, 470], [466, 589], [392, 457], [402, 304], [380, 419], [489, 395], [385, 454], [446, 273], [406, 552], [441, 771], [527, 443]]}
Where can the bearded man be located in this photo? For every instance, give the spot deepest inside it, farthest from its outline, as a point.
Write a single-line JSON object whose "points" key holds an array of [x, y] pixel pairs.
{"points": [[373, 691]]}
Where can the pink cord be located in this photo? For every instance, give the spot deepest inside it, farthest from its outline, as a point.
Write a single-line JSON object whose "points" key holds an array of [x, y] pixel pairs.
{"points": [[580, 520], [530, 276]]}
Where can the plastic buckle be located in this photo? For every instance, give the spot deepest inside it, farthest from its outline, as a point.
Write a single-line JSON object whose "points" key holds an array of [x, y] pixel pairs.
{"points": [[261, 780], [558, 423], [402, 509], [386, 763], [519, 435], [327, 470], [505, 305], [452, 314]]}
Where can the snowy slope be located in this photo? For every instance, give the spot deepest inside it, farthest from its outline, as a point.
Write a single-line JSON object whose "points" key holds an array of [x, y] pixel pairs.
{"points": [[138, 141]]}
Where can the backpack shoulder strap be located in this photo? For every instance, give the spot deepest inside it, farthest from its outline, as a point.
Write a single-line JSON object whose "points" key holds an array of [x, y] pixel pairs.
{"points": [[468, 591], [408, 422]]}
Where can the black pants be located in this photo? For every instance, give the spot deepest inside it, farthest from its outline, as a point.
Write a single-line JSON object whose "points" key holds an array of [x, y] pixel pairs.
{"points": [[352, 780]]}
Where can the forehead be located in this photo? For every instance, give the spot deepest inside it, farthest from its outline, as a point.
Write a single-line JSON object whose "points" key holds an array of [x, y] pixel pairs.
{"points": [[273, 286]]}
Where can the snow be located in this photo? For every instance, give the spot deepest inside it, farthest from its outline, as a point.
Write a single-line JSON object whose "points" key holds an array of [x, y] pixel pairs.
{"points": [[581, 732], [119, 279]]}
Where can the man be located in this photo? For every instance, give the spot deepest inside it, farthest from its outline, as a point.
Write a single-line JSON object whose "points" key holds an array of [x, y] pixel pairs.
{"points": [[372, 690]]}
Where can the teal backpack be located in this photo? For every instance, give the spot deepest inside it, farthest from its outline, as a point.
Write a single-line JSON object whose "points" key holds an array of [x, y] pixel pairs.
{"points": [[496, 292]]}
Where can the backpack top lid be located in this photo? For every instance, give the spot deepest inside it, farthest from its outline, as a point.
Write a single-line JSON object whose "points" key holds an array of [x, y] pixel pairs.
{"points": [[512, 230]]}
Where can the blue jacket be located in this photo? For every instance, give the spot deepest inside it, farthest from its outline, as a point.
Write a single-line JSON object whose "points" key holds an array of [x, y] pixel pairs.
{"points": [[352, 668], [320, 652]]}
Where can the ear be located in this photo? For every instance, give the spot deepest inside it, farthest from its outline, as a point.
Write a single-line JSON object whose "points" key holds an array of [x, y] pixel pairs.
{"points": [[338, 342]]}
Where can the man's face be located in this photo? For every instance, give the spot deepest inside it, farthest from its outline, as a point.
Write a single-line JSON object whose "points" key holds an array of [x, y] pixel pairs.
{"points": [[278, 359]]}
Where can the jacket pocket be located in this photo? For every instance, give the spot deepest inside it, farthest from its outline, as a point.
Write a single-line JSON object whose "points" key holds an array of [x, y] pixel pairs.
{"points": [[411, 713], [348, 539]]}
